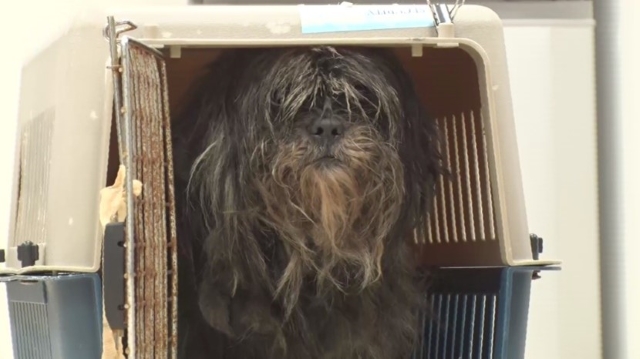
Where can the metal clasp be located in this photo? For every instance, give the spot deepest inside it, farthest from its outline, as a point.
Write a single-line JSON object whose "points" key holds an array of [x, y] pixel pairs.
{"points": [[443, 16], [442, 13], [113, 29], [111, 32]]}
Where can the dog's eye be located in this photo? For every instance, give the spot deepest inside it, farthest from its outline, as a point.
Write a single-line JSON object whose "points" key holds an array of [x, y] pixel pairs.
{"points": [[276, 99], [365, 94], [361, 89]]}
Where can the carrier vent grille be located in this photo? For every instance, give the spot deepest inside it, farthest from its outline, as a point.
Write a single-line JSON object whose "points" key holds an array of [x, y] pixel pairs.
{"points": [[31, 331], [463, 206], [35, 158], [458, 326]]}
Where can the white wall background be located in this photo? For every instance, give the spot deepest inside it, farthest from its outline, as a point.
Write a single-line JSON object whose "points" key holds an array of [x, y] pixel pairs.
{"points": [[553, 88]]}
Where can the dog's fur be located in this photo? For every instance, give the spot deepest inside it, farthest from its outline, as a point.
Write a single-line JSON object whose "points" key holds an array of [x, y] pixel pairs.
{"points": [[291, 248]]}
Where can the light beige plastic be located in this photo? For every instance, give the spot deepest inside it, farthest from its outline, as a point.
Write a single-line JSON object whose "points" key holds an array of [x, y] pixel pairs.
{"points": [[65, 122]]}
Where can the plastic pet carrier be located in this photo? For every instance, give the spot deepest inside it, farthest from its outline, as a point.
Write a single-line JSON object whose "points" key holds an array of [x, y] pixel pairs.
{"points": [[93, 183]]}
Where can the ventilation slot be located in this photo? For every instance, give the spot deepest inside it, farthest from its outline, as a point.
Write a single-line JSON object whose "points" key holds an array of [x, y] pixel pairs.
{"points": [[463, 206], [458, 326], [35, 158], [31, 332]]}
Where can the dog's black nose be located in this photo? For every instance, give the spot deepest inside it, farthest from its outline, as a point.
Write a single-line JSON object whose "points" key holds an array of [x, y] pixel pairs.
{"points": [[327, 129]]}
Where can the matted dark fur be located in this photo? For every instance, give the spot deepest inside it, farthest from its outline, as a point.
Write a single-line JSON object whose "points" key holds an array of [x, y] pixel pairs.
{"points": [[293, 247]]}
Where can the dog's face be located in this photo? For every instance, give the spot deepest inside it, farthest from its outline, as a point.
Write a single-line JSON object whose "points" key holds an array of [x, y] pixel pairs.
{"points": [[327, 162], [327, 148]]}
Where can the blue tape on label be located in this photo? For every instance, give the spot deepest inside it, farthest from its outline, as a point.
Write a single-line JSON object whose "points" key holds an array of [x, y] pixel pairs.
{"points": [[343, 18]]}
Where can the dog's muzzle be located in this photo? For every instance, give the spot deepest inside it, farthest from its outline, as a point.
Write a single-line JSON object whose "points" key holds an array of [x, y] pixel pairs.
{"points": [[326, 131]]}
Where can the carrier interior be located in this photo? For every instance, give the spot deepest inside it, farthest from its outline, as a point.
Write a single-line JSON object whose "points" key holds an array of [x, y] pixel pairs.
{"points": [[461, 229]]}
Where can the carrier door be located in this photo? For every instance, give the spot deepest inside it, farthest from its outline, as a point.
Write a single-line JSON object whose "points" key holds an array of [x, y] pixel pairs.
{"points": [[145, 151]]}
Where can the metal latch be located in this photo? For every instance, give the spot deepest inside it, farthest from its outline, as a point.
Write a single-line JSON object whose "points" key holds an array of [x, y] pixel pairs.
{"points": [[443, 17]]}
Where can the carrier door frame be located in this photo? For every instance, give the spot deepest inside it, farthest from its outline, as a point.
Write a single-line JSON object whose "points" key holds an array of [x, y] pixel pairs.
{"points": [[143, 124]]}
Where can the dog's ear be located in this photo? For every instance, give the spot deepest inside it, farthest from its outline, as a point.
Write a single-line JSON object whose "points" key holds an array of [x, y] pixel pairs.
{"points": [[420, 152], [219, 227], [419, 145]]}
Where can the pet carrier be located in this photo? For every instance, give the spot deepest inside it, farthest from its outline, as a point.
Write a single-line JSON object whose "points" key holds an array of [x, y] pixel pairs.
{"points": [[96, 112]]}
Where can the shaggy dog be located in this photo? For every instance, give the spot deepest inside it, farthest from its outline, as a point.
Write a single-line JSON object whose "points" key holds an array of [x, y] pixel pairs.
{"points": [[302, 173]]}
